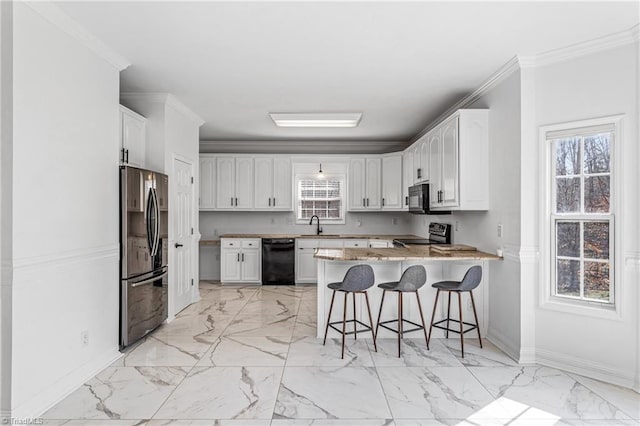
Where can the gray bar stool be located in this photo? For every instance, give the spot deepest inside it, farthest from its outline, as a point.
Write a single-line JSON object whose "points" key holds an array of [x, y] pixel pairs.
{"points": [[358, 279], [412, 279], [470, 281]]}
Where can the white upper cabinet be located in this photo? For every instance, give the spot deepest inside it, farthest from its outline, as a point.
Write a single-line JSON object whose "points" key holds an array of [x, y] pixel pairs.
{"points": [[207, 182], [132, 138], [422, 172], [459, 162], [407, 176], [392, 191], [273, 184], [234, 183], [365, 184]]}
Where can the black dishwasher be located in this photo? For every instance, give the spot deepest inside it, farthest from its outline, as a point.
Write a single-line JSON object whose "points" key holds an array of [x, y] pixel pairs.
{"points": [[278, 261]]}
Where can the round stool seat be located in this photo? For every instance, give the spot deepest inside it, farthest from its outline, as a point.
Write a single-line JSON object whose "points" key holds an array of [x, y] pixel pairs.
{"points": [[447, 285], [412, 279], [334, 286], [388, 286]]}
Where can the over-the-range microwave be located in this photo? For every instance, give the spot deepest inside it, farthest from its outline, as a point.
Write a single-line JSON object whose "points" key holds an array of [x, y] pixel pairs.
{"points": [[419, 200]]}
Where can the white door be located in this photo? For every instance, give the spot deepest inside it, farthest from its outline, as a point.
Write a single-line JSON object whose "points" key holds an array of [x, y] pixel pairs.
{"points": [[207, 183], [357, 184], [250, 265], [244, 183], [435, 167], [183, 276], [263, 170], [225, 182], [392, 182], [374, 183], [282, 185], [230, 265], [449, 184]]}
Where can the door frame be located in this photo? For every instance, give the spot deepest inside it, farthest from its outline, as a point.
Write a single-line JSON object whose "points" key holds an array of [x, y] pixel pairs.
{"points": [[195, 237]]}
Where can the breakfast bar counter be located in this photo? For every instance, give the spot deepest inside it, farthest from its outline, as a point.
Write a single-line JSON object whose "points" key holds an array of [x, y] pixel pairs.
{"points": [[388, 265]]}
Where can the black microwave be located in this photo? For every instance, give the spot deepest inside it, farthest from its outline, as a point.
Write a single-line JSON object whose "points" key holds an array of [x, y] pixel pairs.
{"points": [[419, 200]]}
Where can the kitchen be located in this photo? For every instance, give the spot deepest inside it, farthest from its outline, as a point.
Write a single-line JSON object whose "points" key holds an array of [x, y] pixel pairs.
{"points": [[203, 101]]}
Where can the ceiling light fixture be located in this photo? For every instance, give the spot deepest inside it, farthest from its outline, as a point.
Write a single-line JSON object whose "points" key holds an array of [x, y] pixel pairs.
{"points": [[316, 119], [320, 173]]}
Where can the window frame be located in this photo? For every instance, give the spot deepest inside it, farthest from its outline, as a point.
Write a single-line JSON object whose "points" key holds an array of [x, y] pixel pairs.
{"points": [[548, 217], [327, 176]]}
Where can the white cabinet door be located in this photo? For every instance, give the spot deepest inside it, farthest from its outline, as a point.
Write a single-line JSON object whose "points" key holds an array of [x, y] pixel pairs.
{"points": [[282, 184], [263, 186], [424, 172], [380, 243], [435, 168], [306, 266], [251, 266], [392, 182], [230, 268], [373, 177], [207, 183], [356, 243], [407, 177], [244, 183], [449, 176], [357, 194], [132, 138], [225, 183]]}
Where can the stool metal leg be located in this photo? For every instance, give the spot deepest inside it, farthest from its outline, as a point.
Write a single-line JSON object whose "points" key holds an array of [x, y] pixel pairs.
{"points": [[355, 325], [424, 328], [344, 321], [326, 329], [433, 315], [461, 324], [380, 312], [399, 321], [448, 315], [366, 297], [473, 304]]}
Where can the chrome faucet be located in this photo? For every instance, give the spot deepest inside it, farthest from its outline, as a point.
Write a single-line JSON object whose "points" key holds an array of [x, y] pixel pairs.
{"points": [[318, 229]]}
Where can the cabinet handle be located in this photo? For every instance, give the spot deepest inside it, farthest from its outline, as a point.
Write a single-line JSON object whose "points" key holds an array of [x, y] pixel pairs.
{"points": [[406, 201], [419, 173], [236, 202], [274, 201], [238, 257], [127, 153], [364, 202], [243, 257], [382, 201], [269, 201], [231, 201], [367, 202]]}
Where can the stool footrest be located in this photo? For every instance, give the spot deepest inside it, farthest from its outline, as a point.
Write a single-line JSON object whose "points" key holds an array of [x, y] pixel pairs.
{"points": [[473, 326], [339, 330], [383, 325]]}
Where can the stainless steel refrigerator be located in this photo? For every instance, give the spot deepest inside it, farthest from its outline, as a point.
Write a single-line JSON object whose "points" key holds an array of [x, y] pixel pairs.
{"points": [[144, 226]]}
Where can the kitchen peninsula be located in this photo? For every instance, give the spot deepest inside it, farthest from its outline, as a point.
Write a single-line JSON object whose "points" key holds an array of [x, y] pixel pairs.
{"points": [[388, 265]]}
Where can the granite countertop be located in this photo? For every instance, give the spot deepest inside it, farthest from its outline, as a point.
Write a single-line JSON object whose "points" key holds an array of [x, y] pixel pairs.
{"points": [[322, 236], [409, 253]]}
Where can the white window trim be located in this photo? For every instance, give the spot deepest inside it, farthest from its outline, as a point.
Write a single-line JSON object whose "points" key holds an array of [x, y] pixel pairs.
{"points": [[547, 300], [343, 187]]}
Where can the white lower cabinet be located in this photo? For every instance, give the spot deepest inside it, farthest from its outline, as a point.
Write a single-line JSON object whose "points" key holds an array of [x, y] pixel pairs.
{"points": [[380, 244], [306, 264], [240, 260]]}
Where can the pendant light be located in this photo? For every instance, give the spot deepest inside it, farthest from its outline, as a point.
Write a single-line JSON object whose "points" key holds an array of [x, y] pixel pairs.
{"points": [[320, 173]]}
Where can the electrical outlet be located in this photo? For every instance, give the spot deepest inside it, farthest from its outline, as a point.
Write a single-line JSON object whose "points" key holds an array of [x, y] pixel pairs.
{"points": [[84, 338], [358, 223], [215, 232], [394, 220], [273, 220], [457, 228], [500, 230]]}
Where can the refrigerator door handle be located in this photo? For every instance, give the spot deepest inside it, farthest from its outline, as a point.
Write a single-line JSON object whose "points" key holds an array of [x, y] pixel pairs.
{"points": [[156, 211], [149, 280], [150, 228]]}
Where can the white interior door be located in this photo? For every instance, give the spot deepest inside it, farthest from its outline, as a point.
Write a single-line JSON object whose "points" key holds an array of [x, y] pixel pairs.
{"points": [[182, 228]]}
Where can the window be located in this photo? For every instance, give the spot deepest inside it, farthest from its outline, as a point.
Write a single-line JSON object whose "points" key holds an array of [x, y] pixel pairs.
{"points": [[321, 197], [582, 217]]}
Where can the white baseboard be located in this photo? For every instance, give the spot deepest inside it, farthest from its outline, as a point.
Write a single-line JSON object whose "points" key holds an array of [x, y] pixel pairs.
{"points": [[527, 356], [501, 341], [586, 368], [46, 399]]}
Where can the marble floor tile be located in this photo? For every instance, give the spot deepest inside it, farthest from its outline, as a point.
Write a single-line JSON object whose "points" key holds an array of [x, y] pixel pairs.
{"points": [[434, 392], [271, 307], [91, 422], [545, 389], [625, 399], [310, 352], [475, 356], [331, 422], [201, 328], [305, 326], [120, 393], [224, 393], [331, 393], [245, 351], [159, 351], [252, 326], [212, 422], [414, 353]]}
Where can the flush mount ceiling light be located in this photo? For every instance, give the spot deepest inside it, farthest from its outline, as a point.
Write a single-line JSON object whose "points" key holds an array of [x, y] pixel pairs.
{"points": [[350, 119]]}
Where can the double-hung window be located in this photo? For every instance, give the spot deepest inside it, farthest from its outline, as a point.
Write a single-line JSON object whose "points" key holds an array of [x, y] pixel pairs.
{"points": [[582, 214], [321, 197]]}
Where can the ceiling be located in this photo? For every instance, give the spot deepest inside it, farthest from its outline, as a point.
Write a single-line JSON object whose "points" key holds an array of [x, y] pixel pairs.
{"points": [[399, 63]]}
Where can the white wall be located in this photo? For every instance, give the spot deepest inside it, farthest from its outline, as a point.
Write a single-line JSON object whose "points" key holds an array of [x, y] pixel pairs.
{"points": [[65, 232], [600, 84], [480, 228]]}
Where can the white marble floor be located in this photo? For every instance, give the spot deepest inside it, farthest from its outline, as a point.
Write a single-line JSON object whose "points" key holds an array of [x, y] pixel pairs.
{"points": [[248, 356]]}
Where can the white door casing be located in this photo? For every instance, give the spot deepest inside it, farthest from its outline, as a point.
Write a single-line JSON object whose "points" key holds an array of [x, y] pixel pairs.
{"points": [[182, 218]]}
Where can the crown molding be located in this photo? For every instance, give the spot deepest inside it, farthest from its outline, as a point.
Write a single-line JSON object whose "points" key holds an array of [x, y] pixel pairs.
{"points": [[64, 22], [164, 98], [302, 146], [589, 47]]}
